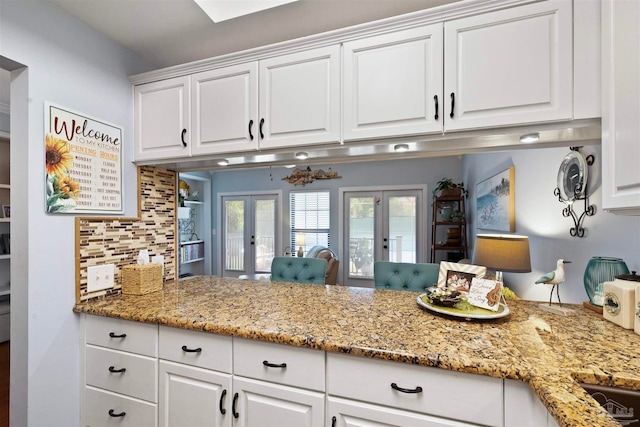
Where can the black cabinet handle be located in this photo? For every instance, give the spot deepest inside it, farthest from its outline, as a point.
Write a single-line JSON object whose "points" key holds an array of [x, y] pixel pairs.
{"points": [[250, 128], [333, 421], [113, 370], [261, 124], [191, 350], [274, 365], [114, 335], [222, 396], [406, 390], [435, 98], [453, 104], [112, 413], [233, 405], [184, 131]]}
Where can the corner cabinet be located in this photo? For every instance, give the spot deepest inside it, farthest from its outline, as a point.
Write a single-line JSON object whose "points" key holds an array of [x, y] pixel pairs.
{"points": [[161, 119], [621, 106], [509, 67]]}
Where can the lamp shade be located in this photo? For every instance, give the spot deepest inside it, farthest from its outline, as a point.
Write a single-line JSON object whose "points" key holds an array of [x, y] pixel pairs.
{"points": [[503, 252], [301, 239]]}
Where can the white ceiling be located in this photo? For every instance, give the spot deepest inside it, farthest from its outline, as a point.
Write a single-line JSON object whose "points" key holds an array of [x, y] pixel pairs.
{"points": [[172, 32]]}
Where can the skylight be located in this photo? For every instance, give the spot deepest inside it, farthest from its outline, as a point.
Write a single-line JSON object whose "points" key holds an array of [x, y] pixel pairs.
{"points": [[222, 10]]}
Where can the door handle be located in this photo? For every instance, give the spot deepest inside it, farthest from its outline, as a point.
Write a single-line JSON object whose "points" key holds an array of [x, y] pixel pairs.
{"points": [[261, 124], [250, 129], [435, 98], [453, 104], [184, 132]]}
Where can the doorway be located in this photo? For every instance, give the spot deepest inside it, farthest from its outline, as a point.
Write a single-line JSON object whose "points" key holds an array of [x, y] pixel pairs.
{"points": [[250, 233], [381, 225]]}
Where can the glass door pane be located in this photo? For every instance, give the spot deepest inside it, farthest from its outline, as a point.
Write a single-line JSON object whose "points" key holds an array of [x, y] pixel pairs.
{"points": [[401, 227], [234, 234], [265, 234], [361, 235]]}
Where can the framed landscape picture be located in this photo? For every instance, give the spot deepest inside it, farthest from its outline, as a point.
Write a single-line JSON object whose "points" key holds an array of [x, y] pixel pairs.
{"points": [[495, 202]]}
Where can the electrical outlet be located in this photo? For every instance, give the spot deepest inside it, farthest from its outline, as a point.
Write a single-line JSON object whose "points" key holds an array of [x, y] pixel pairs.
{"points": [[100, 277], [108, 271]]}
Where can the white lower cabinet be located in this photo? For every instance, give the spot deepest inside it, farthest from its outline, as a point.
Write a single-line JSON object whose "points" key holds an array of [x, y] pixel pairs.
{"points": [[349, 413], [262, 404], [522, 408], [193, 397]]}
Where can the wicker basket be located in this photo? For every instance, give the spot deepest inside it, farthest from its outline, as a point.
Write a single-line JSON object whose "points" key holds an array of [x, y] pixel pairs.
{"points": [[141, 279]]}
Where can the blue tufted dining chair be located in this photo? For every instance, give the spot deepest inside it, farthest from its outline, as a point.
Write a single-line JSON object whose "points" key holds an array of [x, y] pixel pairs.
{"points": [[404, 276], [298, 270]]}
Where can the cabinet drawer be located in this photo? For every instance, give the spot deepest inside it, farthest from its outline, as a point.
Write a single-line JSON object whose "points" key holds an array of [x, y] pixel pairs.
{"points": [[99, 404], [456, 395], [139, 378], [304, 367], [125, 335], [208, 351]]}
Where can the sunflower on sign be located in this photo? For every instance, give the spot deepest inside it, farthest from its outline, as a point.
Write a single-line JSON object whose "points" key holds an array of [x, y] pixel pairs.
{"points": [[61, 189]]}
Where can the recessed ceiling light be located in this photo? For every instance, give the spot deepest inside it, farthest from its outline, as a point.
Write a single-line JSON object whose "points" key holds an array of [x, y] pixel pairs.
{"points": [[223, 162], [289, 166], [401, 148], [302, 155], [222, 10], [530, 137]]}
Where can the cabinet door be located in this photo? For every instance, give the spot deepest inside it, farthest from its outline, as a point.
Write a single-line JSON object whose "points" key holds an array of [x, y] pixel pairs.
{"points": [[393, 84], [224, 109], [161, 111], [271, 405], [349, 413], [621, 106], [300, 98], [193, 397], [509, 67]]}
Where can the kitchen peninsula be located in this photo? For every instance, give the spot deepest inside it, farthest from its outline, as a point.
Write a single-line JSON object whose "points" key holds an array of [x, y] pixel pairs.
{"points": [[549, 352]]}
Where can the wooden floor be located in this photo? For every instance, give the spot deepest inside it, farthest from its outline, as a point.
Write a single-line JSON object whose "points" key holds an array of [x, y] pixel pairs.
{"points": [[4, 384]]}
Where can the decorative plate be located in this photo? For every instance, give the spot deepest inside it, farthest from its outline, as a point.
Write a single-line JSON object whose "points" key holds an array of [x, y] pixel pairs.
{"points": [[475, 313]]}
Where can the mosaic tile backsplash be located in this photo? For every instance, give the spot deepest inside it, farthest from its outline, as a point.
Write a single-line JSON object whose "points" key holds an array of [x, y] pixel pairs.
{"points": [[118, 240]]}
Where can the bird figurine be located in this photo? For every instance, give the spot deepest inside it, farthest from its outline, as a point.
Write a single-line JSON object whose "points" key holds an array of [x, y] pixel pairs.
{"points": [[554, 278]]}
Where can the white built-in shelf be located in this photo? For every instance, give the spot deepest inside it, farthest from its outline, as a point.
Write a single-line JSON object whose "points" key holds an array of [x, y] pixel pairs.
{"points": [[5, 256], [192, 242], [5, 290], [191, 202], [192, 260], [6, 186]]}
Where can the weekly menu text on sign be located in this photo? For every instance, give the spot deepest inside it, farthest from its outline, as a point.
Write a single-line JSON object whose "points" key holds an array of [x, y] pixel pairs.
{"points": [[83, 163]]}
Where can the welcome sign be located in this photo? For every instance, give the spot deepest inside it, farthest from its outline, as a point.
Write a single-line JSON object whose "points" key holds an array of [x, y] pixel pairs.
{"points": [[83, 163]]}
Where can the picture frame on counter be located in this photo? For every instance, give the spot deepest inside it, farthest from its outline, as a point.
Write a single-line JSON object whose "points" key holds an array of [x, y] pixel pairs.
{"points": [[459, 276]]}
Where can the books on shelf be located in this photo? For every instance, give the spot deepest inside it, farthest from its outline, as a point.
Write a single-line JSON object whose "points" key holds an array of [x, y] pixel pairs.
{"points": [[191, 251], [5, 244]]}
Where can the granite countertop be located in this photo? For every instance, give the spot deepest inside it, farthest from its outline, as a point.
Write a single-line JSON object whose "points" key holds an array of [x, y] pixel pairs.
{"points": [[550, 352]]}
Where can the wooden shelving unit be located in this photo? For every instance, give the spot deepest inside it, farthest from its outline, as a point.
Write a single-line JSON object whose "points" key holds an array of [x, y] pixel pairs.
{"points": [[455, 226]]}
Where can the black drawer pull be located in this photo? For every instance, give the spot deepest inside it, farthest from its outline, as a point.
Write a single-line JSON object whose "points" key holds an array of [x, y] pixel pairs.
{"points": [[184, 143], [333, 421], [453, 104], [233, 406], [113, 335], [113, 414], [250, 129], [435, 98], [222, 396], [274, 365], [406, 390], [113, 370], [191, 350]]}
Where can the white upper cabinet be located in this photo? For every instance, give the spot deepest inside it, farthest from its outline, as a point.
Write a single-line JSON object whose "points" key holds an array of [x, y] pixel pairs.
{"points": [[393, 84], [161, 119], [224, 109], [299, 96], [509, 67], [621, 106]]}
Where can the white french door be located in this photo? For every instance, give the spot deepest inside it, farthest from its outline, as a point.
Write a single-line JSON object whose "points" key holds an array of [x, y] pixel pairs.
{"points": [[382, 225], [250, 233]]}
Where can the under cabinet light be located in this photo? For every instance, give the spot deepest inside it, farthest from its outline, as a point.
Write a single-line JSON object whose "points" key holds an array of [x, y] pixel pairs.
{"points": [[401, 148], [223, 162], [530, 137], [302, 155]]}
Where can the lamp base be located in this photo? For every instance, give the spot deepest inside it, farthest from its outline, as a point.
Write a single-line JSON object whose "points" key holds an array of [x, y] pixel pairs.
{"points": [[556, 309], [300, 252]]}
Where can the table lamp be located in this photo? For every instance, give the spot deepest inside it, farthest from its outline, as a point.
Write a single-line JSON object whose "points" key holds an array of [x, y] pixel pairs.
{"points": [[502, 253], [301, 240]]}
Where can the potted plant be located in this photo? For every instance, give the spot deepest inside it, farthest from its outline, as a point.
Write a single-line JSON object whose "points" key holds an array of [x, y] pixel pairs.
{"points": [[446, 187]]}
